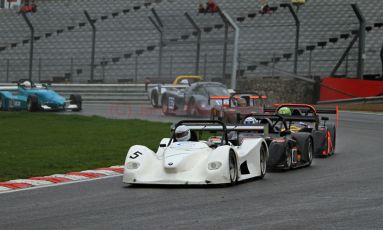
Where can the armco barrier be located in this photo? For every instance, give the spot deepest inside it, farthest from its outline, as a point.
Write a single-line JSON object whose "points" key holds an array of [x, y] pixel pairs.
{"points": [[120, 93], [356, 100], [344, 88]]}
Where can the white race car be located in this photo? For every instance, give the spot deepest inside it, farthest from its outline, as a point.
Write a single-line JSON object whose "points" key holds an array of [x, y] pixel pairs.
{"points": [[217, 160]]}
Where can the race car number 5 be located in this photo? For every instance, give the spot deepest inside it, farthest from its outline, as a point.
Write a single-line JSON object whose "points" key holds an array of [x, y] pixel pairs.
{"points": [[135, 155]]}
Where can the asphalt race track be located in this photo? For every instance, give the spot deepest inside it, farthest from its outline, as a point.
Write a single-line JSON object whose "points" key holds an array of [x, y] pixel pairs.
{"points": [[341, 192]]}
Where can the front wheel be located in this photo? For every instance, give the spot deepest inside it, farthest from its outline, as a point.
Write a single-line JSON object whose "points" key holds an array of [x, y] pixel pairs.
{"points": [[289, 158], [165, 109], [32, 104], [2, 103], [263, 161], [233, 168], [154, 99], [76, 100], [192, 109]]}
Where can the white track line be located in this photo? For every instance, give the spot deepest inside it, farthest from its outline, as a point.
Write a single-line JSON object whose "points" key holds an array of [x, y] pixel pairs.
{"points": [[70, 177], [2, 188], [103, 172], [32, 182]]}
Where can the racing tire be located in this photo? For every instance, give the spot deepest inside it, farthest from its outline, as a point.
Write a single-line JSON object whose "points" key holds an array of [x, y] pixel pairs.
{"points": [[215, 115], [332, 130], [32, 104], [289, 158], [310, 151], [233, 168], [164, 106], [2, 103], [76, 99], [192, 111], [212, 114], [263, 161], [154, 99]]}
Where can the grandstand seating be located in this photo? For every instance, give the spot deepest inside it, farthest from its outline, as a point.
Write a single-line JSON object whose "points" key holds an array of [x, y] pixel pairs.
{"points": [[127, 43]]}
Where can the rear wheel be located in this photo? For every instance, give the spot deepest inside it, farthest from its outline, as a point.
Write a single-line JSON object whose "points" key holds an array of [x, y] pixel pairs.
{"points": [[332, 139], [233, 168], [32, 104], [310, 150], [154, 99]]}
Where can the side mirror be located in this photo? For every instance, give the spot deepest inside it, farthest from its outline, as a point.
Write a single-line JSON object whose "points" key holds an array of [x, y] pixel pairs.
{"points": [[325, 118]]}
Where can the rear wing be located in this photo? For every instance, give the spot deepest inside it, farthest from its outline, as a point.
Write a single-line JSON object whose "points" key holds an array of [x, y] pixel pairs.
{"points": [[229, 128], [236, 96], [222, 99], [306, 109], [215, 125], [169, 86], [241, 117]]}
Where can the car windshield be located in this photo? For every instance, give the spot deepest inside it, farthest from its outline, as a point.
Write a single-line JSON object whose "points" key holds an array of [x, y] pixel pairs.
{"points": [[217, 91]]}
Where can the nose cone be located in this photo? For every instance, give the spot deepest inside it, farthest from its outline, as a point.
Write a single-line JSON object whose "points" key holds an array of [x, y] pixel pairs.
{"points": [[51, 97], [174, 161], [183, 156]]}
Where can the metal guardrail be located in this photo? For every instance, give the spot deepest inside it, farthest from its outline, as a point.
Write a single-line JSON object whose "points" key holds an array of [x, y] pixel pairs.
{"points": [[354, 100], [99, 93]]}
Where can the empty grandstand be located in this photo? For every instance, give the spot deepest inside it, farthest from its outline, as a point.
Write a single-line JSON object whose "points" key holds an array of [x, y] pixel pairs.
{"points": [[120, 41]]}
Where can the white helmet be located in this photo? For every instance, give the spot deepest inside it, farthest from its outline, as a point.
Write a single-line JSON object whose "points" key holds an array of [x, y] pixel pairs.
{"points": [[184, 82], [250, 121], [182, 133], [26, 84]]}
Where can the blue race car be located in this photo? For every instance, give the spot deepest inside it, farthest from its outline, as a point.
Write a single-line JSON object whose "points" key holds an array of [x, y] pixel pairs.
{"points": [[37, 97]]}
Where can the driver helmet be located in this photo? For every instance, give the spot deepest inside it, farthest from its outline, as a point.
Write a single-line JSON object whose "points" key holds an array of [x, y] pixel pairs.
{"points": [[26, 84], [184, 82], [286, 111], [182, 133], [250, 121], [241, 102]]}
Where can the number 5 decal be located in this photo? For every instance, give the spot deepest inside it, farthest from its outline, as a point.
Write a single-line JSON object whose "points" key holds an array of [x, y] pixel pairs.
{"points": [[135, 155]]}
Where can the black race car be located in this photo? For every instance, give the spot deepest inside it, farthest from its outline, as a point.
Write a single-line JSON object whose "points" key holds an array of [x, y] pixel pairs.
{"points": [[287, 149], [322, 130]]}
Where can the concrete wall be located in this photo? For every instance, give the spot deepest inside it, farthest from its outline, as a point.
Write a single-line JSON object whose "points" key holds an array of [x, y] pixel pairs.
{"points": [[281, 90]]}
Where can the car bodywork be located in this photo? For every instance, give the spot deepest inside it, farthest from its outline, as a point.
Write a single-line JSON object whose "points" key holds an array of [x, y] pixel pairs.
{"points": [[196, 100], [255, 103], [35, 97], [199, 161], [155, 93]]}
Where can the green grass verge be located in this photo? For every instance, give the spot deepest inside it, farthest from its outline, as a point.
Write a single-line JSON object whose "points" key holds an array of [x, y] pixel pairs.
{"points": [[37, 144]]}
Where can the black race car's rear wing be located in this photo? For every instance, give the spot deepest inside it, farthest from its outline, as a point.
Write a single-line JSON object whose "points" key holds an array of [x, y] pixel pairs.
{"points": [[305, 110], [241, 117]]}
